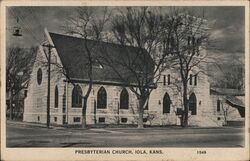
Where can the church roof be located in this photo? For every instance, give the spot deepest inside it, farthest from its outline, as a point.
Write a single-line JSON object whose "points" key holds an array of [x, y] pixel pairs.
{"points": [[74, 58]]}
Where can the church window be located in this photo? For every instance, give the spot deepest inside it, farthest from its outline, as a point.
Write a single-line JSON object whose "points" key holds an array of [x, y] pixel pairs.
{"points": [[77, 96], [218, 105], [39, 76], [191, 79], [164, 80], [56, 97], [168, 79], [124, 99], [195, 79], [102, 98]]}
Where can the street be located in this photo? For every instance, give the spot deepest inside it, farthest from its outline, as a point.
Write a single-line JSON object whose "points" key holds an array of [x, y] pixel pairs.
{"points": [[37, 136]]}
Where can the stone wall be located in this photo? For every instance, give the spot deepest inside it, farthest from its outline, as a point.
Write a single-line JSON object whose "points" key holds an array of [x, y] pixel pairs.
{"points": [[35, 105], [111, 113], [204, 116]]}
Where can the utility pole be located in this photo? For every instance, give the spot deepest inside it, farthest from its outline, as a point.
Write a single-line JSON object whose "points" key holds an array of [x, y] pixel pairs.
{"points": [[48, 92]]}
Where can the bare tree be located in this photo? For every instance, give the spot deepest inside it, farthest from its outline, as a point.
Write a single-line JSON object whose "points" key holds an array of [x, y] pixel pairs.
{"points": [[174, 40], [89, 26], [189, 38], [19, 64], [232, 76], [138, 31], [225, 110]]}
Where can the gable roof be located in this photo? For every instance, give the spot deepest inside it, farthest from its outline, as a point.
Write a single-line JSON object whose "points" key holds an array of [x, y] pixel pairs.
{"points": [[234, 101], [74, 58]]}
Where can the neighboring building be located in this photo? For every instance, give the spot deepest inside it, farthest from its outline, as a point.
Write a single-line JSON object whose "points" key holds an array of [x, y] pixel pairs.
{"points": [[110, 101], [228, 105]]}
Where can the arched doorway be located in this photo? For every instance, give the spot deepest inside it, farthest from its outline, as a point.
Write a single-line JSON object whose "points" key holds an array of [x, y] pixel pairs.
{"points": [[166, 103], [193, 104]]}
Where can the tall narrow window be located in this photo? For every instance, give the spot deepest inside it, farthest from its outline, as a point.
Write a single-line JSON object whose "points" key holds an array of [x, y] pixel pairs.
{"points": [[77, 96], [193, 104], [164, 80], [166, 103], [195, 79], [102, 98], [168, 79], [218, 105], [191, 79], [56, 97], [124, 99]]}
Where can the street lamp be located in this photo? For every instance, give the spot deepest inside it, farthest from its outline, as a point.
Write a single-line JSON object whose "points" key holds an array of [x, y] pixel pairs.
{"points": [[16, 29]]}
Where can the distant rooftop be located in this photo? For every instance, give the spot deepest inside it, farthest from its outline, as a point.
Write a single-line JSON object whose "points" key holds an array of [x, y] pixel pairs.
{"points": [[227, 91]]}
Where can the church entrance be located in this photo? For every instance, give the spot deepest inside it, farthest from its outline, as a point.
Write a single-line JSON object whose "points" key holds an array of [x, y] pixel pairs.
{"points": [[166, 103], [193, 104]]}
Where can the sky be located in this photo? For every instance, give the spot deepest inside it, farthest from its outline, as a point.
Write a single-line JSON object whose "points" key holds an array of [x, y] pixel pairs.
{"points": [[227, 25]]}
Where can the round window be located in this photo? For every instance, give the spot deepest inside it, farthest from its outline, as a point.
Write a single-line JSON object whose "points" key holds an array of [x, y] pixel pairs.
{"points": [[39, 76]]}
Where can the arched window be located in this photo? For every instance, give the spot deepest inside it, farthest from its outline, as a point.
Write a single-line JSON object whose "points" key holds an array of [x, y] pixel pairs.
{"points": [[102, 98], [77, 96], [166, 103], [192, 104], [56, 97], [124, 99]]}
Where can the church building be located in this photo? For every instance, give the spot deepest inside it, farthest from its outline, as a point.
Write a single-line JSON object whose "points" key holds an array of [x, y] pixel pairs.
{"points": [[110, 101]]}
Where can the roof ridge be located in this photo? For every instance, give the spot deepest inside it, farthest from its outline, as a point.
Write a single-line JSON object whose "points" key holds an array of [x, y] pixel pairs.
{"points": [[105, 42]]}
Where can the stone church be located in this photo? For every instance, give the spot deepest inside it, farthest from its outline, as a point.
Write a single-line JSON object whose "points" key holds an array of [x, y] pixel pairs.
{"points": [[110, 101]]}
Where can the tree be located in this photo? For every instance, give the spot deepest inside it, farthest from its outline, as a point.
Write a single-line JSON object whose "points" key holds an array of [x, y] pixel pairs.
{"points": [[19, 63], [172, 40], [87, 25], [138, 30], [189, 38], [232, 76]]}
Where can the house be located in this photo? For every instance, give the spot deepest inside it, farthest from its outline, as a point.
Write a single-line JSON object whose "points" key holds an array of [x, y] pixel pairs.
{"points": [[111, 101], [228, 105]]}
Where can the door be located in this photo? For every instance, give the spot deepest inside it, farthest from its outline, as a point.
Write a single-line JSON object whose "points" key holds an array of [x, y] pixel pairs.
{"points": [[193, 104]]}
